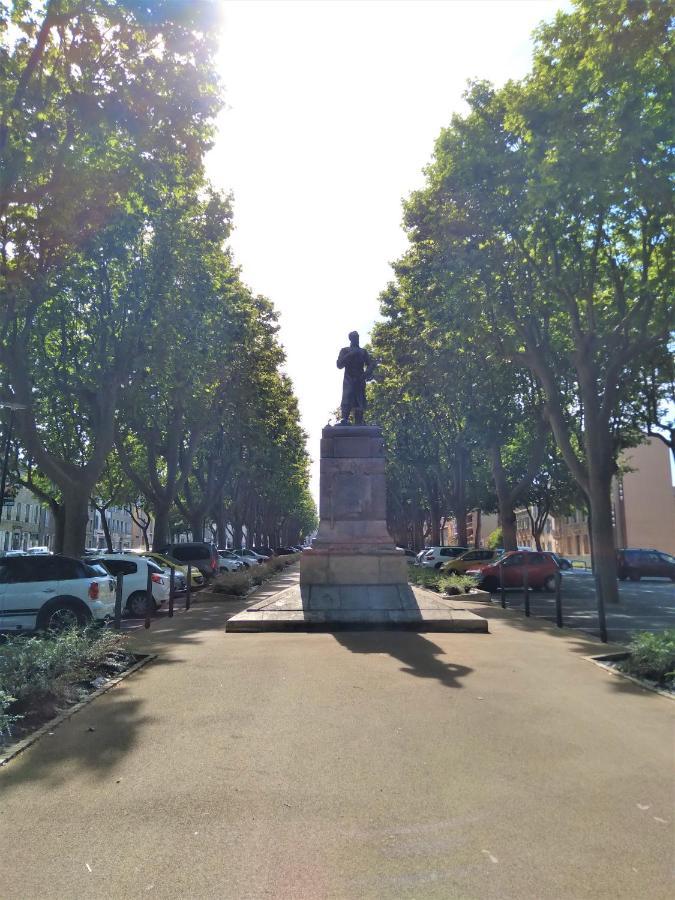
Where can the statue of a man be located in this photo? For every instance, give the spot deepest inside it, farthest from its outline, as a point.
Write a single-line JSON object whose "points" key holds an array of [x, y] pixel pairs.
{"points": [[358, 367]]}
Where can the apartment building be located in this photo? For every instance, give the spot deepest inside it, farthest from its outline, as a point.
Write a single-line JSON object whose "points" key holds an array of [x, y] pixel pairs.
{"points": [[26, 522]]}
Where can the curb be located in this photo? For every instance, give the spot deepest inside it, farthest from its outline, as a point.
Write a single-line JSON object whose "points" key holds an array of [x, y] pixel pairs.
{"points": [[601, 662], [14, 750]]}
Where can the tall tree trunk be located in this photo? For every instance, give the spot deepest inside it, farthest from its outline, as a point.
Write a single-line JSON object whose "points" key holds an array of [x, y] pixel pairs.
{"points": [[236, 534], [507, 520], [477, 529], [161, 534], [106, 527], [461, 526], [59, 514], [435, 514], [76, 516], [602, 537]]}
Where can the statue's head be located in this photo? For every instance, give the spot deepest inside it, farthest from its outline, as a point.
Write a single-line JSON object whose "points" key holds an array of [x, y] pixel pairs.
{"points": [[353, 337]]}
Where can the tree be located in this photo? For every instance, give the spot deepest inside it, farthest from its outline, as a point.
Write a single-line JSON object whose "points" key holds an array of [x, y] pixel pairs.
{"points": [[106, 110], [547, 214]]}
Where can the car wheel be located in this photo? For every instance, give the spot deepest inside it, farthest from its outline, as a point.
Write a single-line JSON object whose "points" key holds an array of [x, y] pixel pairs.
{"points": [[491, 585], [61, 615], [549, 584], [634, 576], [137, 604], [438, 565]]}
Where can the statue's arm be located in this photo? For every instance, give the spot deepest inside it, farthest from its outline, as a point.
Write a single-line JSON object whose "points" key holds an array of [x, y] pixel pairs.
{"points": [[342, 356]]}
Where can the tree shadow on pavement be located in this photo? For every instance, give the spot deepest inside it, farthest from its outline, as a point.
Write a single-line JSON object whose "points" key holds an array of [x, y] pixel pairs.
{"points": [[419, 655], [86, 741]]}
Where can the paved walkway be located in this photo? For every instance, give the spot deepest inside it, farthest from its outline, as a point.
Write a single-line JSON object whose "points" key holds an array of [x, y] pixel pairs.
{"points": [[354, 765]]}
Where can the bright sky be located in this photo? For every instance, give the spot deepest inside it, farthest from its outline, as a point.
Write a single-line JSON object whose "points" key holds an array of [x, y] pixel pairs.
{"points": [[332, 112]]}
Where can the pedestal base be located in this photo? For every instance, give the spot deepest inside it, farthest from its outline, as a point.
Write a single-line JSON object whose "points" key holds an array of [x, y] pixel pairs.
{"points": [[358, 606]]}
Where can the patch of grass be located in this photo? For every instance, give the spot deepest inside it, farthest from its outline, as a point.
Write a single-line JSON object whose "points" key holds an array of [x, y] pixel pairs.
{"points": [[457, 584], [45, 670], [652, 656]]}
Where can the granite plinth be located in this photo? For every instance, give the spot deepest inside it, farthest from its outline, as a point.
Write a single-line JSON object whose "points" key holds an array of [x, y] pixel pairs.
{"points": [[340, 564], [338, 607]]}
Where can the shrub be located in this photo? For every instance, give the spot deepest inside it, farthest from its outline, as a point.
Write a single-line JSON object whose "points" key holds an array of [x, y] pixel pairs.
{"points": [[427, 578], [261, 573], [236, 583], [277, 564], [495, 539], [457, 584], [45, 668], [652, 656]]}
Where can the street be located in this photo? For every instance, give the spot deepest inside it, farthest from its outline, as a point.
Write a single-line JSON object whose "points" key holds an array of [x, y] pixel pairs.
{"points": [[348, 765], [646, 605]]}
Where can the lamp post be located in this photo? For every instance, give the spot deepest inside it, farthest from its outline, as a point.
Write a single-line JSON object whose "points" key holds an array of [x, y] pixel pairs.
{"points": [[3, 483]]}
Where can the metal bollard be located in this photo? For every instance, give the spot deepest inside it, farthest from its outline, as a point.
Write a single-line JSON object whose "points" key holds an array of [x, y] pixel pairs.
{"points": [[149, 602], [526, 590], [558, 599], [172, 583], [119, 582], [501, 585], [188, 594]]}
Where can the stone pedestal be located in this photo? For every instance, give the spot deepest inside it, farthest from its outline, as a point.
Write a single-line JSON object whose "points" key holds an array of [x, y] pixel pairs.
{"points": [[353, 546], [353, 576]]}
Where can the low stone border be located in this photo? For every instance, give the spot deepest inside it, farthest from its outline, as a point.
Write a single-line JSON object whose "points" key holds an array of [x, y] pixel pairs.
{"points": [[13, 750], [602, 661]]}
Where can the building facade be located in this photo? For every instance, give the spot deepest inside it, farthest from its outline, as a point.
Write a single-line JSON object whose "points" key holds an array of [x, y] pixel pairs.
{"points": [[26, 522]]}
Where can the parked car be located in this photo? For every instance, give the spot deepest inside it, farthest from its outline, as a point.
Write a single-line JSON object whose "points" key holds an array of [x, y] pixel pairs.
{"points": [[469, 560], [229, 561], [562, 561], [636, 564], [410, 555], [541, 571], [263, 551], [251, 556], [434, 557], [168, 562], [200, 554], [284, 551], [39, 551], [135, 569], [52, 592]]}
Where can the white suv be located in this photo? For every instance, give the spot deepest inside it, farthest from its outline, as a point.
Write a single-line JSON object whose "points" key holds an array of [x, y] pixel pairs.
{"points": [[434, 557], [52, 592], [135, 568]]}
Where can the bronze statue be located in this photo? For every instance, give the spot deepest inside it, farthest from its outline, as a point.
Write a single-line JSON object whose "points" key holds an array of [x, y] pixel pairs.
{"points": [[359, 368]]}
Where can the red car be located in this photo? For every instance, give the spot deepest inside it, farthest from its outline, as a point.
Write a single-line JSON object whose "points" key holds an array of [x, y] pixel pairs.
{"points": [[541, 571]]}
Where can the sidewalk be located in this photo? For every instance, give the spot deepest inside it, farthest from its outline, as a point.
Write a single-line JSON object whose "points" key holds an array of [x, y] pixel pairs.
{"points": [[352, 765]]}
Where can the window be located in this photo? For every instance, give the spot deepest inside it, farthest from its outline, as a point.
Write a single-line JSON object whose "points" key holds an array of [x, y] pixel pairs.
{"points": [[535, 559], [515, 560], [187, 552], [27, 511], [118, 566], [69, 569], [17, 517]]}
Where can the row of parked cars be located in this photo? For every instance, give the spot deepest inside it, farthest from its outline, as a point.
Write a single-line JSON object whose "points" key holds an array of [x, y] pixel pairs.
{"points": [[541, 566], [42, 590]]}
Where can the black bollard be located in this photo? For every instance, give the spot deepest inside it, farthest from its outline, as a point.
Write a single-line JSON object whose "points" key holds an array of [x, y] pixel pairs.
{"points": [[119, 582], [188, 595], [526, 588], [149, 602], [558, 599], [172, 584]]}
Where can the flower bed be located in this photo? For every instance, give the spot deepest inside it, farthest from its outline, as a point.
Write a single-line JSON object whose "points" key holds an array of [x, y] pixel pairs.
{"points": [[435, 580], [44, 674], [238, 584]]}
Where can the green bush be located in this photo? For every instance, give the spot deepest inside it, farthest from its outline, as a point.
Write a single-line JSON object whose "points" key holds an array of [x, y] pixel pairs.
{"points": [[44, 668], [652, 656], [457, 584], [236, 583], [426, 578], [261, 573], [495, 539]]}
